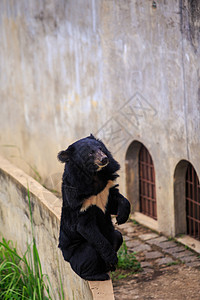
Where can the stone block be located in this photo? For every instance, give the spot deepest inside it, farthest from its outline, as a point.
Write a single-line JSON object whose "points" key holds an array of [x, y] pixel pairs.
{"points": [[176, 249], [148, 236], [146, 264], [167, 244], [142, 247], [193, 264], [164, 261], [158, 240], [182, 254], [148, 270], [153, 255], [124, 226], [188, 259], [133, 243], [129, 230], [126, 238]]}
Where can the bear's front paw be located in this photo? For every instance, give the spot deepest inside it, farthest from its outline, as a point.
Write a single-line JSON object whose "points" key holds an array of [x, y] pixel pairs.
{"points": [[121, 219], [123, 212]]}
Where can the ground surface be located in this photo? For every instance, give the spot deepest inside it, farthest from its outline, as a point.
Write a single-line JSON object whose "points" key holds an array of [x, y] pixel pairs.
{"points": [[170, 271]]}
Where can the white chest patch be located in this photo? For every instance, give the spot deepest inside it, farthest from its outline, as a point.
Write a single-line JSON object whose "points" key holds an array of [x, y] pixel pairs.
{"points": [[100, 199]]}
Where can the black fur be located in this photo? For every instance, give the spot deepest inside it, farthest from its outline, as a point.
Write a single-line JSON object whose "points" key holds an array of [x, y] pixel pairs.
{"points": [[88, 239]]}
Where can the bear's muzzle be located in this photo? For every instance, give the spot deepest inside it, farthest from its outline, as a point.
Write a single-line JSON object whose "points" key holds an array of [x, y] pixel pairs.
{"points": [[101, 159]]}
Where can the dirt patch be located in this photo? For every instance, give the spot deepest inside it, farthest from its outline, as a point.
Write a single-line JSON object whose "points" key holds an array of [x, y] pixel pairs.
{"points": [[178, 283], [169, 270]]}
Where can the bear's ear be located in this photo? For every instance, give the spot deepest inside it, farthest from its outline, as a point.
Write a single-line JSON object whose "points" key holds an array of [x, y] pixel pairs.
{"points": [[65, 155], [92, 136]]}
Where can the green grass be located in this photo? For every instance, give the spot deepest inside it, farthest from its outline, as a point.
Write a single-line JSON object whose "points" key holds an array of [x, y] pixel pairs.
{"points": [[127, 260], [134, 222], [21, 277], [127, 264]]}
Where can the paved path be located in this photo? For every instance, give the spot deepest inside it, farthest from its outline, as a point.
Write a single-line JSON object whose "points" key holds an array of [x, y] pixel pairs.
{"points": [[158, 255]]}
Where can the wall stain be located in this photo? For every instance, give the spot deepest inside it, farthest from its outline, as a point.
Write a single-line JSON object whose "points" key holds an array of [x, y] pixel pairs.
{"points": [[190, 21]]}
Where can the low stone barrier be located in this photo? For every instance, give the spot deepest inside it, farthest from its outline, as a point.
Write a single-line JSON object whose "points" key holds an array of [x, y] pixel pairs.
{"points": [[15, 225]]}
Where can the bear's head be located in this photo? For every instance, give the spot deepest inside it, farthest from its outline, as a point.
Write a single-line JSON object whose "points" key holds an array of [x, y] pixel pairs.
{"points": [[90, 156]]}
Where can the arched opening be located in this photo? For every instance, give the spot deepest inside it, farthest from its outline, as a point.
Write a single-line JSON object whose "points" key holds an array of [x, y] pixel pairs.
{"points": [[140, 180], [187, 200]]}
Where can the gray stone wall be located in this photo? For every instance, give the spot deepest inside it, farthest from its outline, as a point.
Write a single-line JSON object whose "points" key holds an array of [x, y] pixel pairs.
{"points": [[15, 225], [124, 70]]}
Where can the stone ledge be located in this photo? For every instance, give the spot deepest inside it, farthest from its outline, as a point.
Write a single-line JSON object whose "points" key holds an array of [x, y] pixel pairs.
{"points": [[145, 220], [102, 290], [20, 181], [190, 242]]}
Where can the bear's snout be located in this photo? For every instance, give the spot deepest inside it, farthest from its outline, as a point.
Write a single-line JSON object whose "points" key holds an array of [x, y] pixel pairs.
{"points": [[101, 159]]}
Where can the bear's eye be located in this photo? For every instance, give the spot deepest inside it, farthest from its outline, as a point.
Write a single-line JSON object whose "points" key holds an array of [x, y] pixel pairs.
{"points": [[91, 152]]}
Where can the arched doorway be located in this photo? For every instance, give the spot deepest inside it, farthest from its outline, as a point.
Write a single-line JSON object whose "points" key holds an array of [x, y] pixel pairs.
{"points": [[140, 180], [187, 200]]}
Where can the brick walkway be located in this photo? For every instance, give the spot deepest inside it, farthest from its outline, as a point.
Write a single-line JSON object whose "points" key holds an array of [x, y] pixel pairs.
{"points": [[155, 253]]}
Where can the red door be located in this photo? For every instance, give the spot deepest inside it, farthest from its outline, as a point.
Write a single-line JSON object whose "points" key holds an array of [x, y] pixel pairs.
{"points": [[192, 203], [147, 186]]}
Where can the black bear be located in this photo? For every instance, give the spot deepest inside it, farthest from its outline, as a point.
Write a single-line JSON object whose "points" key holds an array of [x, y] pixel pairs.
{"points": [[90, 195]]}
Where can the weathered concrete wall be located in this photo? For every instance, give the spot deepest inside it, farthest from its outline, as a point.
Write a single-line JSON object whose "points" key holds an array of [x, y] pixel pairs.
{"points": [[15, 224], [121, 69]]}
